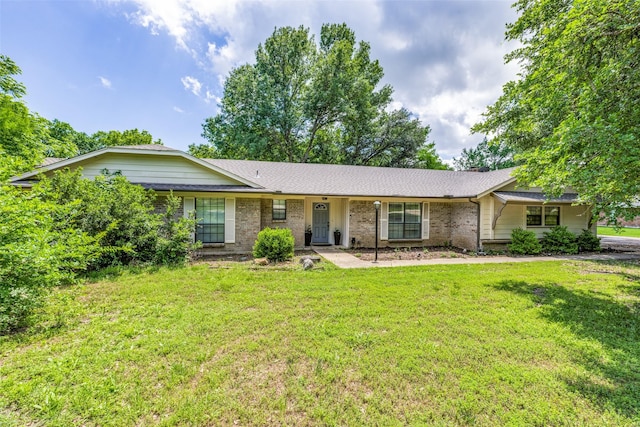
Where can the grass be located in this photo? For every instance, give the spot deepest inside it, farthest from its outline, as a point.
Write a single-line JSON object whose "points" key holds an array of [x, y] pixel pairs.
{"points": [[622, 232], [545, 343]]}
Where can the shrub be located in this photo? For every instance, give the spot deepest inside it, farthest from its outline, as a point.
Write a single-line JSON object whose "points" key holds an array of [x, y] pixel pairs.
{"points": [[119, 214], [175, 245], [560, 241], [275, 244], [588, 242], [35, 254], [524, 242]]}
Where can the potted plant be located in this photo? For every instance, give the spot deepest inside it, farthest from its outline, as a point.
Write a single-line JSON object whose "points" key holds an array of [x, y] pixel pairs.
{"points": [[337, 236], [307, 236]]}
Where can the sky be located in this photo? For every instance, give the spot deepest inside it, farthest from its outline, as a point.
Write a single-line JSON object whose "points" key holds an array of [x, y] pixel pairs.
{"points": [[160, 65]]}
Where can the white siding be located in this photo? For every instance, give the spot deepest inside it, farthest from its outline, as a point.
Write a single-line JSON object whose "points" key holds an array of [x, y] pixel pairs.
{"points": [[513, 216], [154, 169], [486, 217], [575, 218]]}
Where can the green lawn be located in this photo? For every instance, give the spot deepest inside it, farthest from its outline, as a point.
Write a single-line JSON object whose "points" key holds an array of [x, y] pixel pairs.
{"points": [[544, 343], [622, 232]]}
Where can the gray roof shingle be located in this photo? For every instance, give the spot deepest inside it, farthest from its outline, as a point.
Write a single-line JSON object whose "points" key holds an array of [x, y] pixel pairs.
{"points": [[343, 180]]}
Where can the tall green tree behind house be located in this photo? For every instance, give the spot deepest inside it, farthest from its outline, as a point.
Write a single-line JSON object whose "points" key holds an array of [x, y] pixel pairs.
{"points": [[573, 115], [491, 156], [308, 102]]}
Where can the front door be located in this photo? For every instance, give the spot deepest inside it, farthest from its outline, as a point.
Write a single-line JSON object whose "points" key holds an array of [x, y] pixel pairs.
{"points": [[320, 223]]}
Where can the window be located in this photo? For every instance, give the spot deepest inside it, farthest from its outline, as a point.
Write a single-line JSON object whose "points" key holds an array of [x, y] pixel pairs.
{"points": [[547, 216], [210, 218], [404, 220], [279, 210]]}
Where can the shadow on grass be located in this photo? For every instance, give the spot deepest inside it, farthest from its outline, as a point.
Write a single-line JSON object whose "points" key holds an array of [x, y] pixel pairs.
{"points": [[613, 322]]}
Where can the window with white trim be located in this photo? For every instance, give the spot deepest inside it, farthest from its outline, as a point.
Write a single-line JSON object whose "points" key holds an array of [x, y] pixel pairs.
{"points": [[210, 220], [405, 220], [279, 210], [543, 216]]}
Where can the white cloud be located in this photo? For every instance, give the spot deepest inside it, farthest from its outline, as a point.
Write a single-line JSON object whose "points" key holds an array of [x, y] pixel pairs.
{"points": [[178, 110], [443, 59], [192, 84], [105, 82]]}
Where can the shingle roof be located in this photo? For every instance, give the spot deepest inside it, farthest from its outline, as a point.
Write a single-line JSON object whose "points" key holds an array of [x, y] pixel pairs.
{"points": [[342, 180]]}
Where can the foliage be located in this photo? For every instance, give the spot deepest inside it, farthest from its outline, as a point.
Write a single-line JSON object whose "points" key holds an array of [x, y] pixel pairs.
{"points": [[35, 254], [544, 343], [492, 156], [573, 115], [116, 212], [588, 242], [429, 159], [524, 242], [175, 245], [559, 240], [308, 102], [275, 244]]}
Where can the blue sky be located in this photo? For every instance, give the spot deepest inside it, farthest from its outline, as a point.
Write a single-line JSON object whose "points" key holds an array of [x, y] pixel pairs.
{"points": [[159, 65]]}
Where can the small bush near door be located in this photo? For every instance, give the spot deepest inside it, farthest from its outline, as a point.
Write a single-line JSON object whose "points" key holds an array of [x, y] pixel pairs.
{"points": [[275, 244]]}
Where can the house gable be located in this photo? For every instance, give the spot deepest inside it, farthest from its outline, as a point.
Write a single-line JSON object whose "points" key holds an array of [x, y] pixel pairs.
{"points": [[146, 166]]}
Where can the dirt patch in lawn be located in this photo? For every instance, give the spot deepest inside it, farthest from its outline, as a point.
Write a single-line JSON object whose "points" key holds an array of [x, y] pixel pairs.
{"points": [[216, 261]]}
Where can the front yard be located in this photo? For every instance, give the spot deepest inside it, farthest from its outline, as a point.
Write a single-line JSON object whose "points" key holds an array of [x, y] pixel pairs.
{"points": [[545, 343]]}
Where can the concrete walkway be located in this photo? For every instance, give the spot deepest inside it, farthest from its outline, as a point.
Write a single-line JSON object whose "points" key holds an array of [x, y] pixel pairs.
{"points": [[344, 259]]}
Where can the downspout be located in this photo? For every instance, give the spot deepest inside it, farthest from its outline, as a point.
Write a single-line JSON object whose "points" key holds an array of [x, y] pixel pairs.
{"points": [[478, 246]]}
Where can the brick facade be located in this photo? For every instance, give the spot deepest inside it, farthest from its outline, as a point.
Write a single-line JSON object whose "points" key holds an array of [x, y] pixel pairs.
{"points": [[449, 223], [294, 221], [464, 225], [159, 206]]}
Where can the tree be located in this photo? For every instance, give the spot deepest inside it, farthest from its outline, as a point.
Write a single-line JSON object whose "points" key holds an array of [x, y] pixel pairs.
{"points": [[573, 114], [491, 156], [429, 159], [303, 102]]}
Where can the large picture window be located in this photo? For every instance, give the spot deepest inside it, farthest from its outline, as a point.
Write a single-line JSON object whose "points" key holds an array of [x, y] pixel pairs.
{"points": [[539, 216], [405, 220], [279, 210], [210, 217]]}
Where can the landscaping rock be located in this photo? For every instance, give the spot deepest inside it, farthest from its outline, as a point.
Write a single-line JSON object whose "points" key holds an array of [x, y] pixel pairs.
{"points": [[261, 261], [307, 264], [312, 258]]}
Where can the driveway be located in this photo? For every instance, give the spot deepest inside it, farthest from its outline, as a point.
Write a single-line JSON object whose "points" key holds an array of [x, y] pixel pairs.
{"points": [[623, 244]]}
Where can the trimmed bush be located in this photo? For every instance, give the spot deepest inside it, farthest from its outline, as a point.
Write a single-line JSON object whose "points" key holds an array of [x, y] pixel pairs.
{"points": [[524, 242], [588, 242], [560, 241], [275, 244]]}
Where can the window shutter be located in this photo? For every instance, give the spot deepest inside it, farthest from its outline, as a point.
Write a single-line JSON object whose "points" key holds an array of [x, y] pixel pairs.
{"points": [[425, 221], [384, 221], [188, 206], [230, 220]]}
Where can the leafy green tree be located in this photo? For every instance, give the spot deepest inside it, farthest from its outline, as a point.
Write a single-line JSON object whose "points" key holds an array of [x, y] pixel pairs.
{"points": [[429, 159], [492, 156], [308, 102], [36, 253], [573, 115]]}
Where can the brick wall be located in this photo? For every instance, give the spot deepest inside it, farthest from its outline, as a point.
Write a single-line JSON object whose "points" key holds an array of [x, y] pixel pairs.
{"points": [[159, 206], [464, 225], [247, 225], [294, 221], [439, 224], [449, 223], [362, 218]]}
